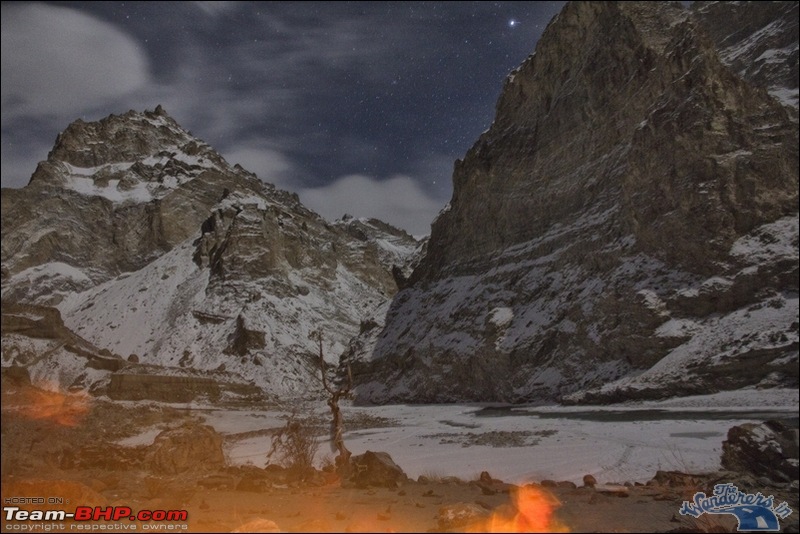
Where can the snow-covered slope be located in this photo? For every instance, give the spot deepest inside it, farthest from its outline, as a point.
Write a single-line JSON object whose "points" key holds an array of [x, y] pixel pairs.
{"points": [[758, 40], [154, 248], [626, 227], [745, 342]]}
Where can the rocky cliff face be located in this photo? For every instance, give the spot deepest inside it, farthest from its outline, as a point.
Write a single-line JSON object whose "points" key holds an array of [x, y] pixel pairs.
{"points": [[628, 223], [758, 41], [151, 245], [111, 197]]}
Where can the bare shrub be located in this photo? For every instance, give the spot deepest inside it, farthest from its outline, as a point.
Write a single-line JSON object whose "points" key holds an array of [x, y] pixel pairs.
{"points": [[294, 447]]}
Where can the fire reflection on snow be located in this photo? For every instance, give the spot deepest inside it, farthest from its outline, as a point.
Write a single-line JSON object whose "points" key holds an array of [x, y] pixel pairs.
{"points": [[66, 409]]}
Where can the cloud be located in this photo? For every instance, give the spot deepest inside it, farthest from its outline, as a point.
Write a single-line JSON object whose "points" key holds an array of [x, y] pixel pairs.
{"points": [[214, 9], [58, 61], [270, 165], [398, 200]]}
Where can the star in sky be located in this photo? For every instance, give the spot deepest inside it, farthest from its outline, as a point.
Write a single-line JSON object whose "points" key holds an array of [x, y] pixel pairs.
{"points": [[512, 23]]}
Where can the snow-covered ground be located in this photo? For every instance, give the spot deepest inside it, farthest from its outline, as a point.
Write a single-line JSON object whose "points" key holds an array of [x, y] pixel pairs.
{"points": [[519, 444]]}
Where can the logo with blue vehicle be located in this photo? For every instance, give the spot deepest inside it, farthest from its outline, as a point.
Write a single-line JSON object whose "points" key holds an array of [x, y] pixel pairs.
{"points": [[754, 511]]}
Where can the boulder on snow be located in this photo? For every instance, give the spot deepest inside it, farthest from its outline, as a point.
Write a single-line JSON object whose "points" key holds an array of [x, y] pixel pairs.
{"points": [[376, 469], [191, 447], [768, 449]]}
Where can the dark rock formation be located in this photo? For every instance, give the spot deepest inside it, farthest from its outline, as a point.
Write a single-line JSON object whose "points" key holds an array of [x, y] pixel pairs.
{"points": [[376, 469], [112, 195], [768, 449], [633, 203], [125, 386], [192, 447], [243, 339], [757, 40]]}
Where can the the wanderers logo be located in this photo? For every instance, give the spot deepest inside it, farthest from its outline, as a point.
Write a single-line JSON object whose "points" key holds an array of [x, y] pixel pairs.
{"points": [[752, 511]]}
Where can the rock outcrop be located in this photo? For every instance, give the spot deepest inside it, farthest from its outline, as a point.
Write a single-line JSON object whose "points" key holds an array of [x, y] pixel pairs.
{"points": [[626, 228], [768, 449], [757, 40], [191, 447], [112, 196], [376, 469], [149, 243]]}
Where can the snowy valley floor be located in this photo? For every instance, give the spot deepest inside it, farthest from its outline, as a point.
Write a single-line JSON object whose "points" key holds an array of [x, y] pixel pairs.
{"points": [[615, 443], [81, 454]]}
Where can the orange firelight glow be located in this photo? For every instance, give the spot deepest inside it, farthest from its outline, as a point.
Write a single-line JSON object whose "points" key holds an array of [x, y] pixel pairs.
{"points": [[533, 510], [66, 409]]}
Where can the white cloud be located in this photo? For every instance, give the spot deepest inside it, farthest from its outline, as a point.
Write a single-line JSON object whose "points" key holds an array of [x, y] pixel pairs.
{"points": [[58, 61], [270, 165], [398, 200], [214, 9]]}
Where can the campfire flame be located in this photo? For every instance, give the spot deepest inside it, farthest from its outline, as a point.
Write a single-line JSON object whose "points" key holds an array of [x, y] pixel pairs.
{"points": [[532, 510], [65, 409]]}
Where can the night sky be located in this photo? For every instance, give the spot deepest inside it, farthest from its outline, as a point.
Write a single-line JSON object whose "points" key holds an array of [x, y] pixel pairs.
{"points": [[360, 108]]}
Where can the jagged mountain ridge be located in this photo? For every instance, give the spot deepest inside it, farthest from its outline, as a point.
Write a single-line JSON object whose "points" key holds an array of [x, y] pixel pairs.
{"points": [[626, 228], [151, 244], [133, 171]]}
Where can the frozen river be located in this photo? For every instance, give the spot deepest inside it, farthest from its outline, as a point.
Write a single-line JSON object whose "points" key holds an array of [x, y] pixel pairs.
{"points": [[521, 444]]}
